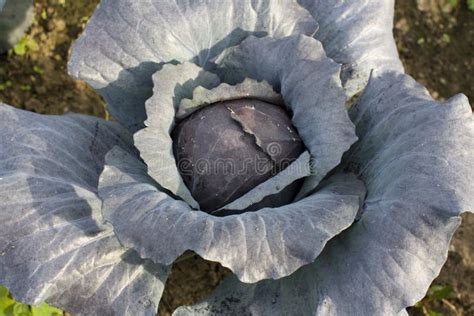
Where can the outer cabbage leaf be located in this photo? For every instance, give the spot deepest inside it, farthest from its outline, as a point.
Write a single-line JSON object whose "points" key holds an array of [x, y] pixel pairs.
{"points": [[125, 42], [415, 156], [357, 34], [309, 83], [269, 243], [171, 84], [53, 245]]}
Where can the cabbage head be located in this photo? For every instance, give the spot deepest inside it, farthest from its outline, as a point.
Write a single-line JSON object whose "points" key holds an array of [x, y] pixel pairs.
{"points": [[351, 212]]}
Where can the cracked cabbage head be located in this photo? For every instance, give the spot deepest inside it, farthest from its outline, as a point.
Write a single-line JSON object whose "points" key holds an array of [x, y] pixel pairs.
{"points": [[357, 221]]}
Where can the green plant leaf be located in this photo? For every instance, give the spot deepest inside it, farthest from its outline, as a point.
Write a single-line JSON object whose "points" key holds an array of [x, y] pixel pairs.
{"points": [[446, 38], [419, 304], [3, 292], [44, 14], [439, 292], [5, 301], [8, 307], [5, 85], [470, 5], [20, 48], [45, 310], [433, 313], [17, 309], [24, 45], [453, 3], [38, 70]]}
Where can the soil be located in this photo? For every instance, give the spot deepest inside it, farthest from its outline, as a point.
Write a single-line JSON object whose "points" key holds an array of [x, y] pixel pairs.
{"points": [[436, 44], [38, 81]]}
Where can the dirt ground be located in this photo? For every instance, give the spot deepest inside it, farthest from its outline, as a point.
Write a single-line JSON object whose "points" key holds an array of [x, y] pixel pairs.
{"points": [[38, 81], [436, 43]]}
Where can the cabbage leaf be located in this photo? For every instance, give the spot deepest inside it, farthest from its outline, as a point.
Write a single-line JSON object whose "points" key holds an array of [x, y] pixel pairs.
{"points": [[54, 245]]}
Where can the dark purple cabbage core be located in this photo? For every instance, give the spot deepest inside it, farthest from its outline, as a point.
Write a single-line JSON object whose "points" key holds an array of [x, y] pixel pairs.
{"points": [[226, 149]]}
